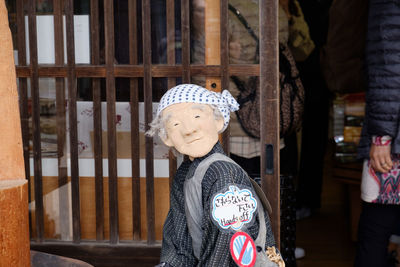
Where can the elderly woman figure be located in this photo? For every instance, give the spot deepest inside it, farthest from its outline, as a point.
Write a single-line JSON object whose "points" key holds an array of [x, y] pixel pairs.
{"points": [[200, 225]]}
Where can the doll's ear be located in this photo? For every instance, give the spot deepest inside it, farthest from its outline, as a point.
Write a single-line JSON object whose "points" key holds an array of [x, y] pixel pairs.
{"points": [[219, 123], [166, 141]]}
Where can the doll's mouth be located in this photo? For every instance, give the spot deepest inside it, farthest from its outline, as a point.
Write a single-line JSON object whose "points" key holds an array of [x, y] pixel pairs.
{"points": [[193, 140]]}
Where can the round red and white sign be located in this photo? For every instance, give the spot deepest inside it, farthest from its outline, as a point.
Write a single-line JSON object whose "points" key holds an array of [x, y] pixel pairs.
{"points": [[243, 250]]}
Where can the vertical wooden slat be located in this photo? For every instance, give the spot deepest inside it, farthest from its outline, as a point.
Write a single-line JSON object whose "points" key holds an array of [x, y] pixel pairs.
{"points": [[148, 102], [111, 123], [37, 154], [185, 28], [224, 63], [97, 129], [170, 8], [224, 44], [134, 102], [73, 129], [61, 121], [172, 167], [269, 105], [23, 97]]}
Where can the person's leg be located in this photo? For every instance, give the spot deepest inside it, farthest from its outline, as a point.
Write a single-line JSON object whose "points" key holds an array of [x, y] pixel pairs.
{"points": [[288, 169], [288, 156], [377, 223], [314, 134]]}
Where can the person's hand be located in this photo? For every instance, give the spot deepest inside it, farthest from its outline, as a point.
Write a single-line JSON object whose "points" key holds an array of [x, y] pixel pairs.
{"points": [[380, 158]]}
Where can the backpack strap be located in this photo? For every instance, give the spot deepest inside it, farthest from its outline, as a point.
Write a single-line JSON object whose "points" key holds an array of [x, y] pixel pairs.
{"points": [[262, 232], [193, 200]]}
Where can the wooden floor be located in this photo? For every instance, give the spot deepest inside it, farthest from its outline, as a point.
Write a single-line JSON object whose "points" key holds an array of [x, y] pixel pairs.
{"points": [[326, 235]]}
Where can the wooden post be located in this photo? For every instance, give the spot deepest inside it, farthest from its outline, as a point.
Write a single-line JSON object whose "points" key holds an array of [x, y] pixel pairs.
{"points": [[14, 223], [269, 109], [212, 51]]}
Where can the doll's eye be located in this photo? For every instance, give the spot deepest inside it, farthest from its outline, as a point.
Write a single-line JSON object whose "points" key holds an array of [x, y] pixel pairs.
{"points": [[176, 124], [197, 116]]}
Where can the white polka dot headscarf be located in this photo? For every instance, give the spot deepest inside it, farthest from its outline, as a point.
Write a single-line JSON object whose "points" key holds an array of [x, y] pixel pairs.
{"points": [[191, 93]]}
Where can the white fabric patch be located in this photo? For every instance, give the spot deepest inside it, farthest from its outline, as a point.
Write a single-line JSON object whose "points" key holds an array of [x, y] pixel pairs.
{"points": [[369, 183], [234, 208]]}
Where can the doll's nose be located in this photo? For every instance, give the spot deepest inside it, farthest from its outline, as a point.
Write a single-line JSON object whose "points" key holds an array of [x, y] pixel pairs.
{"points": [[188, 128]]}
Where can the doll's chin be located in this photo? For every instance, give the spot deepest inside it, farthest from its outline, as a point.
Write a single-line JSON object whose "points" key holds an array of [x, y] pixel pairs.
{"points": [[196, 154], [197, 149]]}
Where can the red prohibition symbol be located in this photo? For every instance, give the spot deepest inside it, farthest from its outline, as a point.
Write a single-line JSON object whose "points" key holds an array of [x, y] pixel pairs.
{"points": [[243, 250]]}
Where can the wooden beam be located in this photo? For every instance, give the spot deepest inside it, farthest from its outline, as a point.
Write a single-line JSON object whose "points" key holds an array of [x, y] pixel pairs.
{"points": [[134, 71], [185, 32], [37, 148], [224, 24], [97, 127], [269, 109], [111, 121], [170, 8], [134, 101], [148, 107], [73, 124]]}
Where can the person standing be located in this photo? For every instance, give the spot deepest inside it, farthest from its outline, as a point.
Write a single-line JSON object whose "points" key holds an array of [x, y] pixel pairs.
{"points": [[314, 135], [380, 141]]}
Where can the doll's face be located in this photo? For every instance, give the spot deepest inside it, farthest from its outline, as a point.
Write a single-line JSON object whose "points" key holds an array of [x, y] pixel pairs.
{"points": [[191, 128]]}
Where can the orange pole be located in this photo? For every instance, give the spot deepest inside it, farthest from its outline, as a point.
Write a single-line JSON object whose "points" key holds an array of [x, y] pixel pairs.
{"points": [[212, 18], [212, 32], [14, 222]]}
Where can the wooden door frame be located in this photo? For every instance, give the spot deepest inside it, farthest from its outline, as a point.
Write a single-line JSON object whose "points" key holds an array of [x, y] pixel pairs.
{"points": [[219, 70]]}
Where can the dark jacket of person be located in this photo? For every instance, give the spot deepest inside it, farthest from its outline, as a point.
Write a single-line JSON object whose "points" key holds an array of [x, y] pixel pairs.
{"points": [[383, 75]]}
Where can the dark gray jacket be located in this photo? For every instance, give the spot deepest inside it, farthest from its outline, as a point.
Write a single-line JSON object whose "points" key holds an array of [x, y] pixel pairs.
{"points": [[383, 72], [177, 243]]}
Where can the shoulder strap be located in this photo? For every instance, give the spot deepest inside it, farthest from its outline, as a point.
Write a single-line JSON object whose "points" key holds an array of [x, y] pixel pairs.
{"points": [[262, 232], [243, 21], [193, 199], [239, 84]]}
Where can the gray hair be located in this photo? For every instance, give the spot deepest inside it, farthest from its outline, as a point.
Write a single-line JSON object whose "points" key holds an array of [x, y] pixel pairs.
{"points": [[157, 126]]}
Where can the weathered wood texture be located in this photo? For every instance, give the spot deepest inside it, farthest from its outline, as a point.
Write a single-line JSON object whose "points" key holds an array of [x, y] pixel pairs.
{"points": [[73, 124], [97, 136], [111, 129], [14, 223], [148, 107], [157, 71], [134, 100], [11, 156], [224, 24], [37, 146], [269, 108], [185, 28], [170, 7]]}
